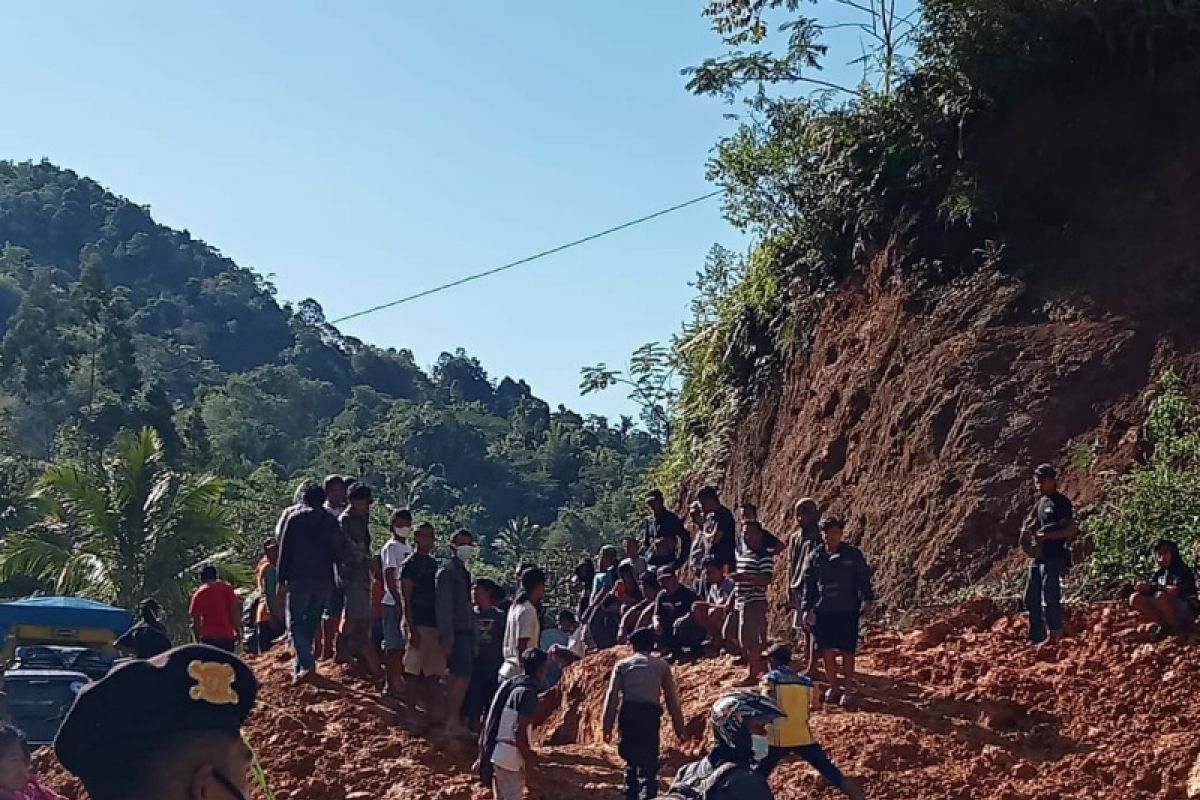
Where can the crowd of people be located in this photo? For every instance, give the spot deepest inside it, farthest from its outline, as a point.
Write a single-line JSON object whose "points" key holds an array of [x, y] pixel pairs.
{"points": [[470, 657]]}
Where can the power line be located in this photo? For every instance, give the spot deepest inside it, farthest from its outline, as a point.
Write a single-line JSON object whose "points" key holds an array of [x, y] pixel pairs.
{"points": [[528, 259]]}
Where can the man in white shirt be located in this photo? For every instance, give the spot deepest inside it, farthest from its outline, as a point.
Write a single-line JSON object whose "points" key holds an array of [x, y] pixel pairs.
{"points": [[393, 555], [523, 627]]}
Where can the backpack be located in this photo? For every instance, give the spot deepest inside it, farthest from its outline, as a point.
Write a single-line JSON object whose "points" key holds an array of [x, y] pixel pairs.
{"points": [[704, 791]]}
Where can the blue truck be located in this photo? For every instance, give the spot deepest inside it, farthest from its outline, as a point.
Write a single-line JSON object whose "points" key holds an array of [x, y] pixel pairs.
{"points": [[52, 646]]}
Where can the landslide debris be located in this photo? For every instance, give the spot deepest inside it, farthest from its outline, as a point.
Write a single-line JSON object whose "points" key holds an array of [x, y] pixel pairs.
{"points": [[959, 708]]}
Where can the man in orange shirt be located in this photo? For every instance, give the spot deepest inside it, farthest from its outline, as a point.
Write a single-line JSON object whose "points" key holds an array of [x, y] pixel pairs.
{"points": [[215, 611]]}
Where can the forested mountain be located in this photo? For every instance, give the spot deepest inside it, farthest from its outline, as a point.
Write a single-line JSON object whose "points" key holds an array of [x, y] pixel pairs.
{"points": [[111, 322]]}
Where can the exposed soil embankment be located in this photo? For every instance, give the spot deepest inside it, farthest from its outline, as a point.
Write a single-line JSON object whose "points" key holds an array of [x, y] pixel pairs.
{"points": [[958, 708], [918, 412], [963, 708]]}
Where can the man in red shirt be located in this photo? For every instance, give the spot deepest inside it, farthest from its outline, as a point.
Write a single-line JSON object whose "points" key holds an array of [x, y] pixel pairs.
{"points": [[216, 612]]}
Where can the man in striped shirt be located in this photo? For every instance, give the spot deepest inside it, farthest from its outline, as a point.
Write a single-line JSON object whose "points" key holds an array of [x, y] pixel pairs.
{"points": [[755, 566]]}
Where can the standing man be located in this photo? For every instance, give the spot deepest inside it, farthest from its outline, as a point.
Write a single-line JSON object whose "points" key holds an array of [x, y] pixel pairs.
{"points": [[424, 659], [268, 619], [167, 727], [837, 591], [1051, 524], [456, 627], [665, 540], [489, 650], [720, 530], [393, 555], [336, 501], [641, 682], [801, 544], [331, 620], [755, 568], [148, 637], [355, 575], [523, 628], [216, 612], [309, 547]]}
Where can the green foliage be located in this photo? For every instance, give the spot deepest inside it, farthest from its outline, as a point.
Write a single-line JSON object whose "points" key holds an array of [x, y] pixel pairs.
{"points": [[649, 376], [1158, 498], [130, 529], [111, 323]]}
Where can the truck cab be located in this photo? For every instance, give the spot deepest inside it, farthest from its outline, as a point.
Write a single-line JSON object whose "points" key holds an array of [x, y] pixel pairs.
{"points": [[52, 647]]}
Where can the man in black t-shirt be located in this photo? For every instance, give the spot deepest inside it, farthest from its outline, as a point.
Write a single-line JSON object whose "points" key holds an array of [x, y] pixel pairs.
{"points": [[424, 658], [1050, 523], [720, 530], [673, 606], [665, 539]]}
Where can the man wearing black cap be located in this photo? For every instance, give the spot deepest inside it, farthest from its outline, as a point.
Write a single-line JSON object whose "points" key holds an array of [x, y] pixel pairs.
{"points": [[665, 539], [1049, 526], [837, 592], [167, 727], [678, 633]]}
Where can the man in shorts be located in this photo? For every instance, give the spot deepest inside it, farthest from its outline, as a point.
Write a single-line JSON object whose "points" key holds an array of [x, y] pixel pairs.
{"points": [[755, 566], [837, 591], [393, 555], [424, 658], [456, 627]]}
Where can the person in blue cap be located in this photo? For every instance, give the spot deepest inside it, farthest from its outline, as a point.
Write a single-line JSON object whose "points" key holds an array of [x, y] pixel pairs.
{"points": [[165, 728]]}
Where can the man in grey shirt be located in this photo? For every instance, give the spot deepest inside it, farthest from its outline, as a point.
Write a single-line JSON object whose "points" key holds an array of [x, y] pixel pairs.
{"points": [[456, 626], [641, 681]]}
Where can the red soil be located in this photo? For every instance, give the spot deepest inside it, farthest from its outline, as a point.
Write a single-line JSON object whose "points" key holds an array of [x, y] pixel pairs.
{"points": [[958, 708]]}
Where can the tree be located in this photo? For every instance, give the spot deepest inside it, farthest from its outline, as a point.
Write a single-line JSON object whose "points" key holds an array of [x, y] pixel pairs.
{"points": [[131, 529], [649, 377], [518, 541]]}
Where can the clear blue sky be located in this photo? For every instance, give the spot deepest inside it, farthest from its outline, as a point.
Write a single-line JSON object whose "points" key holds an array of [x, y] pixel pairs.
{"points": [[359, 152]]}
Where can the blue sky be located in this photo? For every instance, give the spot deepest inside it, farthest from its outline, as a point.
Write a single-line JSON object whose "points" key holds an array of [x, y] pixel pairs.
{"points": [[360, 152]]}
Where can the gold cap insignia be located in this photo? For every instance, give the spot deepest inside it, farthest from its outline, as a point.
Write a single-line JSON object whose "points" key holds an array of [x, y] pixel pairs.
{"points": [[214, 682]]}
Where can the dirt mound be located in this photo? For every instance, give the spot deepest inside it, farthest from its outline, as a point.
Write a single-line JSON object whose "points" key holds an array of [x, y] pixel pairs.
{"points": [[970, 712], [337, 740], [919, 411]]}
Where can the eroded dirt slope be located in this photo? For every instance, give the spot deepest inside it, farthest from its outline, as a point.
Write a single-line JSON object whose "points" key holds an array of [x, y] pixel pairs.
{"points": [[918, 412]]}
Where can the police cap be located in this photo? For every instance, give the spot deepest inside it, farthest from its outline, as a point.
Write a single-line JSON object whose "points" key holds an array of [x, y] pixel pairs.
{"points": [[191, 689]]}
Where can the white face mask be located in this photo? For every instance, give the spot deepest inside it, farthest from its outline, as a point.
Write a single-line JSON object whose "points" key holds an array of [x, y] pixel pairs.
{"points": [[402, 533], [464, 552], [760, 746]]}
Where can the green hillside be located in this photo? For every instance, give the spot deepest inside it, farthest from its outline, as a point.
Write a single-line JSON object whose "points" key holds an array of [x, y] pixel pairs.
{"points": [[111, 322]]}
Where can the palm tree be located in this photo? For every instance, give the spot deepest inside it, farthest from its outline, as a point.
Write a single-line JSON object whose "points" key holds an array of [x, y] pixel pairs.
{"points": [[519, 540], [127, 529]]}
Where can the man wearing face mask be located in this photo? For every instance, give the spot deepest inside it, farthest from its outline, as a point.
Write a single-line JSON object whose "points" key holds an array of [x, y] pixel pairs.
{"points": [[456, 627], [166, 727], [393, 555], [739, 723]]}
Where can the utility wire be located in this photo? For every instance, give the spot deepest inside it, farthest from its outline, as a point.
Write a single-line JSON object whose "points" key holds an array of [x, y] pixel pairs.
{"points": [[528, 259]]}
